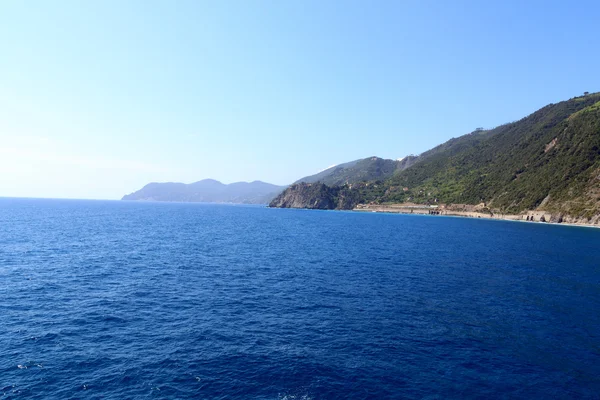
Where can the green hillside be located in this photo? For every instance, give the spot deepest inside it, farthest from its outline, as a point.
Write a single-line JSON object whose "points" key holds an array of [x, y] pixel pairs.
{"points": [[549, 160]]}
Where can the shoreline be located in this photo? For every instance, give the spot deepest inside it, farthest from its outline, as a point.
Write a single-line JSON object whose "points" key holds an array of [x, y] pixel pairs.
{"points": [[472, 215]]}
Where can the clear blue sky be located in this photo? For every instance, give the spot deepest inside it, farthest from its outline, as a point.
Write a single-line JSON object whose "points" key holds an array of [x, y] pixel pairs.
{"points": [[97, 98]]}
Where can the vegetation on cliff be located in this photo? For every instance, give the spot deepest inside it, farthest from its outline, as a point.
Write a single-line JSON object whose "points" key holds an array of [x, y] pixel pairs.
{"points": [[364, 170], [317, 196]]}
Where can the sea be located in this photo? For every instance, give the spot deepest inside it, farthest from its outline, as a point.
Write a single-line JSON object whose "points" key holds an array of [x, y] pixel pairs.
{"points": [[138, 300]]}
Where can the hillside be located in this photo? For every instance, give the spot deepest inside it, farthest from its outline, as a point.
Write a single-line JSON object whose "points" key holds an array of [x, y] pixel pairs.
{"points": [[367, 169], [549, 160], [208, 190]]}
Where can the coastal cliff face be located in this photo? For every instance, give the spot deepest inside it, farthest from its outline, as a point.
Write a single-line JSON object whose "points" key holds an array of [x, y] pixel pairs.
{"points": [[305, 195], [316, 196]]}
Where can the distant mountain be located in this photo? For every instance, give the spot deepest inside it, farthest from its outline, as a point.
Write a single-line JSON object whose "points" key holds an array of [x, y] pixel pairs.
{"points": [[548, 161], [209, 191], [367, 169]]}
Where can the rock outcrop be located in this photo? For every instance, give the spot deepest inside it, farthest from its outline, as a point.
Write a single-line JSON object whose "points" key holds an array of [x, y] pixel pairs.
{"points": [[305, 195], [316, 196]]}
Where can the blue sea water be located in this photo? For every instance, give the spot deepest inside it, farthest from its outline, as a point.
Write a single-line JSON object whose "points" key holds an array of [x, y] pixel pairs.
{"points": [[123, 300]]}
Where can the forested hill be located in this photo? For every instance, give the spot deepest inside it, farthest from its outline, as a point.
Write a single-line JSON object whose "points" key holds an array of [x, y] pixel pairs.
{"points": [[549, 160], [366, 169]]}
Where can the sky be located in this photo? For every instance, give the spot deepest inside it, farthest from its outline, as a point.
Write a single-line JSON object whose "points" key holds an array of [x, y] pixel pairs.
{"points": [[98, 98]]}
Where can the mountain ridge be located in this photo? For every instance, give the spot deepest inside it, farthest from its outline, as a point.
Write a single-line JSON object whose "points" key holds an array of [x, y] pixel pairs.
{"points": [[207, 190], [361, 170]]}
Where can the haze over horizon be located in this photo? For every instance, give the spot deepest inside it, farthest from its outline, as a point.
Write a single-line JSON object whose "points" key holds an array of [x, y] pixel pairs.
{"points": [[100, 98]]}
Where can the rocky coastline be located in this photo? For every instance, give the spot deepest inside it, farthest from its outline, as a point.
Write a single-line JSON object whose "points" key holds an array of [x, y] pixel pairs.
{"points": [[318, 196], [470, 211]]}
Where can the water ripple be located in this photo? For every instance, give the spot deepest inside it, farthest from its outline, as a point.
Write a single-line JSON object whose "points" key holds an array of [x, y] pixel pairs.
{"points": [[147, 300]]}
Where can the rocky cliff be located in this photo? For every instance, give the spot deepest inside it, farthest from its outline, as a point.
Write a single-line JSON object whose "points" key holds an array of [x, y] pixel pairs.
{"points": [[306, 195], [316, 196]]}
